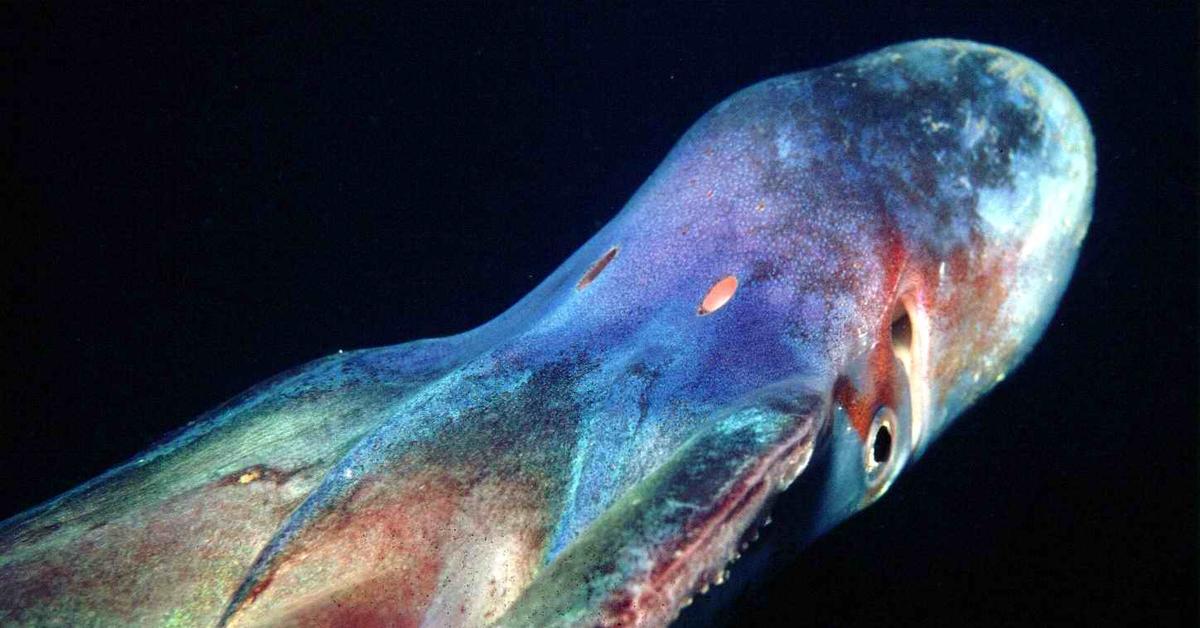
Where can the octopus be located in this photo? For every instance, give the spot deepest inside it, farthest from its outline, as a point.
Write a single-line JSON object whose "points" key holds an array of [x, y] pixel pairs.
{"points": [[823, 273]]}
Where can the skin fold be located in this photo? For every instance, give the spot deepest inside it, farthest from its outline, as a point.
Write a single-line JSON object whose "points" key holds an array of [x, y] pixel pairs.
{"points": [[824, 272]]}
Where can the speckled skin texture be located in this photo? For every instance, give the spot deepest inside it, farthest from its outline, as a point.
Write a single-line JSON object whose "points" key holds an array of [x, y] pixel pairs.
{"points": [[599, 453]]}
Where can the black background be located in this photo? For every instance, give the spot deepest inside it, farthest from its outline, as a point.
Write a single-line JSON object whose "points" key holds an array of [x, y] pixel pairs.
{"points": [[199, 198]]}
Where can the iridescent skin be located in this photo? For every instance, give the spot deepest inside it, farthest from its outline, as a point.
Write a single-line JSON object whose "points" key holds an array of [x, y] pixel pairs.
{"points": [[599, 453]]}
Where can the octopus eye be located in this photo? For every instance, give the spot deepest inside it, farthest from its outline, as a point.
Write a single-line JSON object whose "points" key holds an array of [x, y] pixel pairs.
{"points": [[596, 268], [718, 295], [881, 448], [902, 337], [879, 443]]}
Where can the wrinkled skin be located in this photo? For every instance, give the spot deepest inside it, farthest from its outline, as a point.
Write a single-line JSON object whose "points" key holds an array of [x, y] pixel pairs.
{"points": [[900, 226]]}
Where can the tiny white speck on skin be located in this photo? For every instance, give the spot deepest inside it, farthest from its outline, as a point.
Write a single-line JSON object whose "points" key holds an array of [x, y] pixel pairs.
{"points": [[348, 473]]}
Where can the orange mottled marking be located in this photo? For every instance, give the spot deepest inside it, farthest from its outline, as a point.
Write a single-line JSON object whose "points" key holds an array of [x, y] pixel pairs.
{"points": [[879, 385]]}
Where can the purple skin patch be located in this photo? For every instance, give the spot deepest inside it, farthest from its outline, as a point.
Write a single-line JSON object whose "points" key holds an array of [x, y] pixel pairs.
{"points": [[825, 271]]}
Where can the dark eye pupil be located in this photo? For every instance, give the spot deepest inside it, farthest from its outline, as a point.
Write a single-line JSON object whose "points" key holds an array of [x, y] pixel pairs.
{"points": [[882, 449]]}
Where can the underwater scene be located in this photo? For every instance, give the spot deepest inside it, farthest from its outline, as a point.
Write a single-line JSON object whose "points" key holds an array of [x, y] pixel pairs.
{"points": [[520, 314]]}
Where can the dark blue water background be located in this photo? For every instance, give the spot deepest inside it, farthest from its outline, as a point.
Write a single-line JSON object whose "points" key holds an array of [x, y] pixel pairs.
{"points": [[199, 198]]}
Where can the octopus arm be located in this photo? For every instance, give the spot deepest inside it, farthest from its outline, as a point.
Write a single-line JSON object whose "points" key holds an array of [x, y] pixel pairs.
{"points": [[678, 529], [182, 522]]}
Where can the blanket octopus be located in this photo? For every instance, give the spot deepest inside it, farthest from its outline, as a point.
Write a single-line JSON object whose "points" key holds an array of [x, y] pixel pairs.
{"points": [[824, 272]]}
